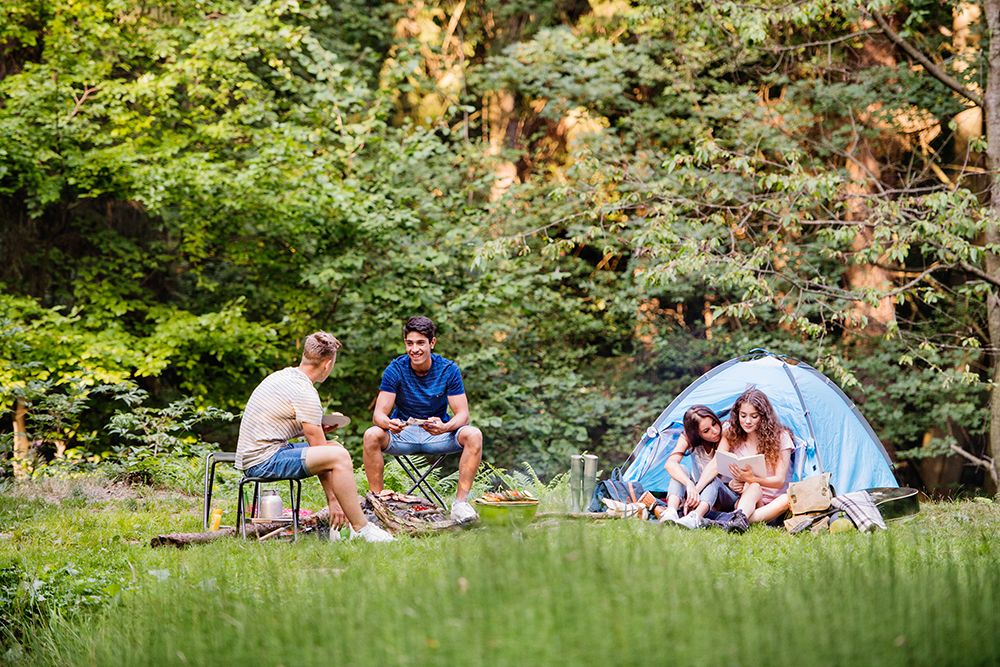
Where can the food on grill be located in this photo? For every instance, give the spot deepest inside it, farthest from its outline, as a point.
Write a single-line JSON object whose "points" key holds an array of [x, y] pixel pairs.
{"points": [[508, 496]]}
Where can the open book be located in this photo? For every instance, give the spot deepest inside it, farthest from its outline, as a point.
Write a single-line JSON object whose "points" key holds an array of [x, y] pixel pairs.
{"points": [[756, 463]]}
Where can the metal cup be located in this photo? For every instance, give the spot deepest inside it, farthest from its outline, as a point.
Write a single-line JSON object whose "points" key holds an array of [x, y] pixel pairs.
{"points": [[575, 481], [589, 478]]}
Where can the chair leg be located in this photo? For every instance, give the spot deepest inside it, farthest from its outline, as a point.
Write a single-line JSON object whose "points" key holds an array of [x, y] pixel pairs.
{"points": [[295, 499], [241, 518], [209, 480], [421, 480], [211, 461], [255, 508]]}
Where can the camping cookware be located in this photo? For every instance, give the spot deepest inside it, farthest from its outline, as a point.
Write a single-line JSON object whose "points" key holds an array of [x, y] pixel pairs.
{"points": [[514, 514], [576, 482], [270, 505], [589, 477]]}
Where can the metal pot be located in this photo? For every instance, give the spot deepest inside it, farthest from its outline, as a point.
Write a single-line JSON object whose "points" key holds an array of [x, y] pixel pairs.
{"points": [[270, 505]]}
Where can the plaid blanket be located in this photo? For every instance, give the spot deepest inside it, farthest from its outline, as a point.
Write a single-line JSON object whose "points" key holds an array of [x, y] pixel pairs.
{"points": [[861, 508]]}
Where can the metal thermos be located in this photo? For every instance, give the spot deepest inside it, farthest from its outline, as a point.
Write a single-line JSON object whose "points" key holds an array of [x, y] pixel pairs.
{"points": [[589, 478], [575, 482], [270, 505]]}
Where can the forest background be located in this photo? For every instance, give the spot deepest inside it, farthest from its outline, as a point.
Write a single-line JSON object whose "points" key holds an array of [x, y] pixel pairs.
{"points": [[596, 202]]}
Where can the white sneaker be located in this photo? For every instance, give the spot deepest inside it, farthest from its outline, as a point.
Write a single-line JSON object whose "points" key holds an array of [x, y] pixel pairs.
{"points": [[669, 514], [462, 512], [690, 520], [372, 533]]}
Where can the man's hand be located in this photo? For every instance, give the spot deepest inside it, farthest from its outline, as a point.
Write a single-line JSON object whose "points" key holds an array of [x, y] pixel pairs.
{"points": [[435, 426], [328, 427], [736, 486], [395, 425], [337, 517]]}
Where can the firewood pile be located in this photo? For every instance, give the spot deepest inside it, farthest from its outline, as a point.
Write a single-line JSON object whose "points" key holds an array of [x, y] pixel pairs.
{"points": [[402, 513]]}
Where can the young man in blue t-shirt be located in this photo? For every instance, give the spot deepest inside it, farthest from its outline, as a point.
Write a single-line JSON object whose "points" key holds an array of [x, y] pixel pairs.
{"points": [[422, 385]]}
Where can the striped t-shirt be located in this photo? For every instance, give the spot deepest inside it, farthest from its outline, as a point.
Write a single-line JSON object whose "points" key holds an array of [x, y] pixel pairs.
{"points": [[274, 414], [422, 396]]}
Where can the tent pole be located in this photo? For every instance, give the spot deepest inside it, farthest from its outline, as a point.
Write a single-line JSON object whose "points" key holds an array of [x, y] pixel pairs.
{"points": [[805, 411]]}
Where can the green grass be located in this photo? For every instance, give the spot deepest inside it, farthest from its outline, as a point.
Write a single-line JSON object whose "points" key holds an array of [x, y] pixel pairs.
{"points": [[927, 592]]}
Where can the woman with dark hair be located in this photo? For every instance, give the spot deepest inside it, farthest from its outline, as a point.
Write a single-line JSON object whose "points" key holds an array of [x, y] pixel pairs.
{"points": [[702, 435], [754, 428]]}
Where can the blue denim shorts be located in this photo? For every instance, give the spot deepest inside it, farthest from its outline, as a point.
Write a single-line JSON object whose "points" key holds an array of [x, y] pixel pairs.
{"points": [[415, 440], [289, 462]]}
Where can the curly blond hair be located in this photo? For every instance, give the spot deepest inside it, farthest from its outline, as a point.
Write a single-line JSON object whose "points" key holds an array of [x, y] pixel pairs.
{"points": [[769, 429]]}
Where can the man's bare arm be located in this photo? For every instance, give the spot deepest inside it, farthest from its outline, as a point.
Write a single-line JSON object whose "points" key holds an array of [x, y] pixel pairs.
{"points": [[316, 435], [383, 408], [460, 416]]}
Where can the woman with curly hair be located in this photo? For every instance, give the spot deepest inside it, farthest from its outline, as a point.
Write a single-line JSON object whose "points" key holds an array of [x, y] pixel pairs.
{"points": [[754, 428]]}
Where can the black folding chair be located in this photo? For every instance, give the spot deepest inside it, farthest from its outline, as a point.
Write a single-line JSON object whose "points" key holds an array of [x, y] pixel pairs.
{"points": [[294, 491], [419, 478]]}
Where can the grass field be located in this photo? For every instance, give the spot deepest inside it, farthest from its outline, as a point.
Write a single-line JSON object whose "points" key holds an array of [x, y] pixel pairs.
{"points": [[81, 586]]}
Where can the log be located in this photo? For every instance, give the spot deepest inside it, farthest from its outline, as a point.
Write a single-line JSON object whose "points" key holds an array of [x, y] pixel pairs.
{"points": [[183, 539], [397, 524], [180, 540]]}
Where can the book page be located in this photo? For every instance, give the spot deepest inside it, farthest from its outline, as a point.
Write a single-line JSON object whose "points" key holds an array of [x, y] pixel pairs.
{"points": [[756, 463]]}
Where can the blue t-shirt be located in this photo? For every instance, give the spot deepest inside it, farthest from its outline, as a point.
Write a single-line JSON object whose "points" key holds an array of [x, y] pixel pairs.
{"points": [[422, 396]]}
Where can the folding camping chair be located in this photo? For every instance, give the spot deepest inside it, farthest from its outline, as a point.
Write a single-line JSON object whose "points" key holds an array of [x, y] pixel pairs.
{"points": [[294, 492], [420, 479], [213, 459]]}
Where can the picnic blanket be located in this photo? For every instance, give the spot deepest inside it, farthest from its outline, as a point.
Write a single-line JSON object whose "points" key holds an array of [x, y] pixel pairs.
{"points": [[860, 507]]}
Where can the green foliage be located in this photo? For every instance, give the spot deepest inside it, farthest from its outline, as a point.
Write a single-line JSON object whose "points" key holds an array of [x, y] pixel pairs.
{"points": [[187, 192], [166, 453]]}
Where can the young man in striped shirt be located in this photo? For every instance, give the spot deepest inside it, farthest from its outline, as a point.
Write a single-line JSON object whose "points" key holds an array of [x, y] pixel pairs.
{"points": [[423, 385], [286, 405]]}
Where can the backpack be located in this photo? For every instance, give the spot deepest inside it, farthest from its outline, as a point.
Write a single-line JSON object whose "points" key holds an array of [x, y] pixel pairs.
{"points": [[615, 489]]}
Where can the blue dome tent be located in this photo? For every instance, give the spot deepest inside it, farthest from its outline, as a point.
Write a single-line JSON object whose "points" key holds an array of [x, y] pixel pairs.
{"points": [[831, 435]]}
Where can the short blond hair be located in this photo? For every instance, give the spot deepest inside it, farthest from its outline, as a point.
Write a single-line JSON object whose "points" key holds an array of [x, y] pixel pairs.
{"points": [[318, 347]]}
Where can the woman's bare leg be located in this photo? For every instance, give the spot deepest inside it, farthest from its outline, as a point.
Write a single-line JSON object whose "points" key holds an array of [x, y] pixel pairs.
{"points": [[749, 499], [770, 511]]}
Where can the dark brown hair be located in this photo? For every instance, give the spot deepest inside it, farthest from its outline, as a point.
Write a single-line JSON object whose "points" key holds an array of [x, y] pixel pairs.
{"points": [[692, 424], [420, 324]]}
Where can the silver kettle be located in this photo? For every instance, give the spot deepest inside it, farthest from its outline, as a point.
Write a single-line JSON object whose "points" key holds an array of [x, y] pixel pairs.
{"points": [[270, 505]]}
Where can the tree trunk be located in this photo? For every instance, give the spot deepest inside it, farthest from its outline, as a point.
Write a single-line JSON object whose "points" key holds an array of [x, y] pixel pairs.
{"points": [[864, 169], [991, 116], [21, 443], [498, 111]]}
